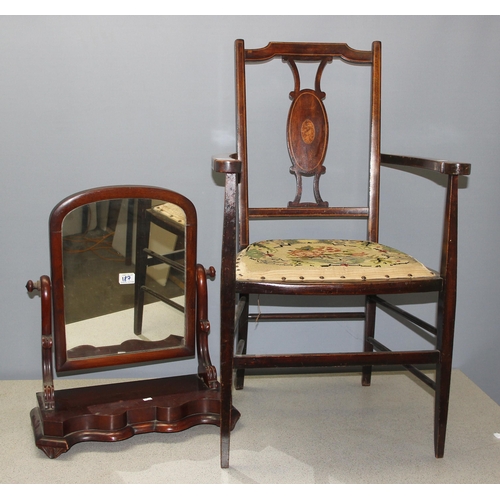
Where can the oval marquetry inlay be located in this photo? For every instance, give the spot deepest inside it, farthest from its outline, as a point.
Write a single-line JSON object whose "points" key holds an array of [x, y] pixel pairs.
{"points": [[307, 132]]}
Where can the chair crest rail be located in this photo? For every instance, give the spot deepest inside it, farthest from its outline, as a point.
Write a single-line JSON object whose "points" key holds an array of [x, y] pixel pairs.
{"points": [[312, 51]]}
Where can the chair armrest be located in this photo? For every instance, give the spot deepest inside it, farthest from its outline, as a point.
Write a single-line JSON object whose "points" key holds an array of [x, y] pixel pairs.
{"points": [[229, 165], [441, 166]]}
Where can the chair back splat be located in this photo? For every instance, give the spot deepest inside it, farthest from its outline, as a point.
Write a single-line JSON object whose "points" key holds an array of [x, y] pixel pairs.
{"points": [[309, 264]]}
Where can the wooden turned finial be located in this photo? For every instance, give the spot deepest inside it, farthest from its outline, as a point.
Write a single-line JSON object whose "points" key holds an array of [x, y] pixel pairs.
{"points": [[30, 286]]}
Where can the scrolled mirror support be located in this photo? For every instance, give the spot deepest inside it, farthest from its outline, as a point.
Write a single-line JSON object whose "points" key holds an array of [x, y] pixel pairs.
{"points": [[205, 368], [44, 287]]}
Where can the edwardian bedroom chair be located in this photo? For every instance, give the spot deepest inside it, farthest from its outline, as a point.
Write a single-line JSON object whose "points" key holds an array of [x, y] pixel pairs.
{"points": [[305, 260]]}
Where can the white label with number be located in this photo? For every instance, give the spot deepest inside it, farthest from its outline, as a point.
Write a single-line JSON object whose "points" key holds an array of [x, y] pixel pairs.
{"points": [[126, 278]]}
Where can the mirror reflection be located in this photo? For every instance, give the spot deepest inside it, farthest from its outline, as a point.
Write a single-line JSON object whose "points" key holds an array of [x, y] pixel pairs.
{"points": [[124, 275]]}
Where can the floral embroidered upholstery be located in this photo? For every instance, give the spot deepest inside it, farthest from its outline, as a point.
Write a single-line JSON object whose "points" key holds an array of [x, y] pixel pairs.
{"points": [[325, 260]]}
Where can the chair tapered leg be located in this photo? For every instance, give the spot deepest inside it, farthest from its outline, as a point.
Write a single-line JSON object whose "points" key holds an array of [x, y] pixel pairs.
{"points": [[370, 308], [443, 382], [226, 399], [226, 375], [446, 322], [446, 316], [225, 427], [241, 343]]}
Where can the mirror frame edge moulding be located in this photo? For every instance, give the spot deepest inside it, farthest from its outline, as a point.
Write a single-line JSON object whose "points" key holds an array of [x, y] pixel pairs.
{"points": [[81, 198]]}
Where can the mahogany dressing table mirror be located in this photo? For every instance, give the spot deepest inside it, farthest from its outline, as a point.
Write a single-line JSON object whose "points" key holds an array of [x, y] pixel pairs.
{"points": [[125, 289]]}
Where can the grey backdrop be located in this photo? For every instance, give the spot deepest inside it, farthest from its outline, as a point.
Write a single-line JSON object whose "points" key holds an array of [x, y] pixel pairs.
{"points": [[89, 101]]}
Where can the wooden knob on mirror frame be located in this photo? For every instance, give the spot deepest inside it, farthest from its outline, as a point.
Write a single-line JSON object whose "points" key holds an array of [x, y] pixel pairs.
{"points": [[30, 286]]}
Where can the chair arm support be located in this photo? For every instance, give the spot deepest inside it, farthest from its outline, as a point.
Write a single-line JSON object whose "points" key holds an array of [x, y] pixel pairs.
{"points": [[441, 166], [229, 165]]}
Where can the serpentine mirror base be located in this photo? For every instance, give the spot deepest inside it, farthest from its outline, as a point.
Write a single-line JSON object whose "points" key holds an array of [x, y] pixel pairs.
{"points": [[119, 411]]}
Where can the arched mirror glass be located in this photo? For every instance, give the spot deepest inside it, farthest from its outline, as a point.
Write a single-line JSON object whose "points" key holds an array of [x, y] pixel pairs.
{"points": [[125, 257]]}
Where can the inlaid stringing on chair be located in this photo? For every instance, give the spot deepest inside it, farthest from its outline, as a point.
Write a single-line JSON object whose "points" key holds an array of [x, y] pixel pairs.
{"points": [[332, 267]]}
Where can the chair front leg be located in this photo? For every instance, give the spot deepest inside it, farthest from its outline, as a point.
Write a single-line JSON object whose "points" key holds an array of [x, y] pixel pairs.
{"points": [[226, 355], [446, 316], [228, 304], [443, 370]]}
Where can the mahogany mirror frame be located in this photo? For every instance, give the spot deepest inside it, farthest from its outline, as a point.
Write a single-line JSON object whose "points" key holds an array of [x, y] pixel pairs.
{"points": [[57, 216]]}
